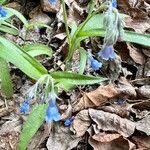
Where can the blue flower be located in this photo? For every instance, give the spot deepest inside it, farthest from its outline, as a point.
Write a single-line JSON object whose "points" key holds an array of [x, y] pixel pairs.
{"points": [[107, 53], [68, 122], [96, 65], [52, 113], [25, 107], [52, 1], [3, 12], [114, 3]]}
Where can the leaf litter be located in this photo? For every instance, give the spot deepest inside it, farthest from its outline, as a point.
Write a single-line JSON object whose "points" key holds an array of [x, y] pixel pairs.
{"points": [[111, 116]]}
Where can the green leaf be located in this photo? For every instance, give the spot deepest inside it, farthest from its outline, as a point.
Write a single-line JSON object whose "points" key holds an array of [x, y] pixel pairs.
{"points": [[31, 126], [9, 30], [6, 83], [37, 49], [94, 27], [83, 59], [75, 78], [21, 59], [18, 14]]}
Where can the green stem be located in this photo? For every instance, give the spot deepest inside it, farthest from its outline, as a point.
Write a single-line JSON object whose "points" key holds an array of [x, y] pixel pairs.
{"points": [[66, 24]]}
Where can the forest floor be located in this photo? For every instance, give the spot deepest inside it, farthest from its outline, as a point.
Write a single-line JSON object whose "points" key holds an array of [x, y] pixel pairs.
{"points": [[114, 116]]}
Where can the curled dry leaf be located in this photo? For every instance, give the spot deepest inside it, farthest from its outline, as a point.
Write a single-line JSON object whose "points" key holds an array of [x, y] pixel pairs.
{"points": [[144, 91], [111, 122], [81, 123], [61, 139], [144, 125], [116, 144], [126, 88], [136, 55], [98, 97]]}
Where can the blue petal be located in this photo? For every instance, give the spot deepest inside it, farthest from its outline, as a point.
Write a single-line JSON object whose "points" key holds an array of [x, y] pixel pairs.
{"points": [[3, 12], [96, 65], [25, 107], [52, 113], [52, 1], [107, 53], [68, 122], [114, 3]]}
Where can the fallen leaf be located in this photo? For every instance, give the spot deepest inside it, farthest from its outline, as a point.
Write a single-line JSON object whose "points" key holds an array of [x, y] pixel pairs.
{"points": [[144, 91], [144, 125], [147, 68], [142, 141], [117, 144], [105, 137], [98, 97], [61, 139], [126, 88], [111, 122], [136, 55], [81, 123]]}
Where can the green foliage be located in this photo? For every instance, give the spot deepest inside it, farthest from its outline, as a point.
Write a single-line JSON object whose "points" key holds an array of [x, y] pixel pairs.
{"points": [[6, 84], [37, 49], [33, 123]]}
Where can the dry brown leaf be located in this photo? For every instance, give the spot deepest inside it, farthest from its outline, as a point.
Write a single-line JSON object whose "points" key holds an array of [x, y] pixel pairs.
{"points": [[147, 68], [126, 88], [136, 55], [142, 141], [105, 137], [144, 91], [111, 122], [117, 144], [97, 98], [81, 123], [61, 139], [144, 125], [137, 25]]}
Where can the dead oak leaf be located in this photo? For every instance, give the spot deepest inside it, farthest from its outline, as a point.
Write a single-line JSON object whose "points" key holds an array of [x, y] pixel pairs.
{"points": [[81, 123], [97, 97], [111, 122]]}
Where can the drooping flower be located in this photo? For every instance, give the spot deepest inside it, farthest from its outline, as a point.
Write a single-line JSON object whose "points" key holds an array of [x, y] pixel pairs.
{"points": [[96, 65], [52, 113], [52, 1], [107, 52], [3, 12], [68, 122], [25, 107], [114, 3]]}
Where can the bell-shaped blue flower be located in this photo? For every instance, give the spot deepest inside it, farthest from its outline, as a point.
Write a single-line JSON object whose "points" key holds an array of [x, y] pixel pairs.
{"points": [[96, 65], [52, 113], [68, 122], [25, 107], [114, 3], [52, 1], [3, 12], [107, 53]]}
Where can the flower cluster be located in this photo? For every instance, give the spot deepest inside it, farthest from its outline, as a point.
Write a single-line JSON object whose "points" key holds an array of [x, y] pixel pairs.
{"points": [[43, 89], [3, 12]]}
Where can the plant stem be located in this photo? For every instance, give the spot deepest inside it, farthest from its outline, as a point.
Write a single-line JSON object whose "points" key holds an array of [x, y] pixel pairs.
{"points": [[66, 24]]}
